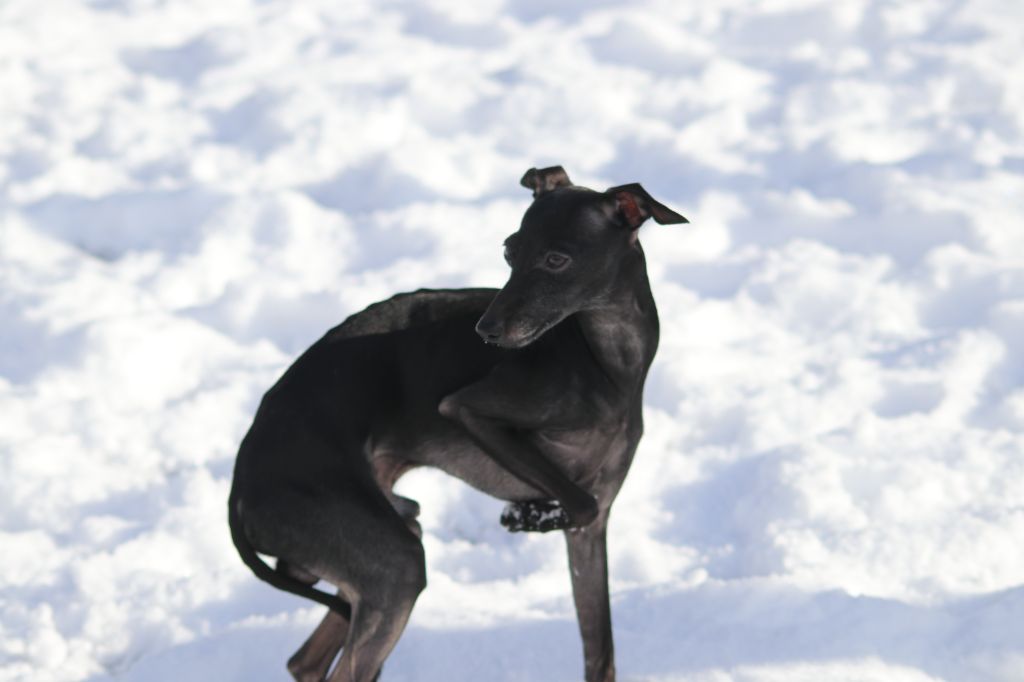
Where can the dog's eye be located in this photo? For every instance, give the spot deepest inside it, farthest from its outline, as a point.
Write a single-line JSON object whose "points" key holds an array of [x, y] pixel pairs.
{"points": [[556, 261], [508, 255]]}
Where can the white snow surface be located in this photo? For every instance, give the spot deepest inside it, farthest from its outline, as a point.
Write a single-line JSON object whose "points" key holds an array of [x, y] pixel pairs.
{"points": [[831, 486]]}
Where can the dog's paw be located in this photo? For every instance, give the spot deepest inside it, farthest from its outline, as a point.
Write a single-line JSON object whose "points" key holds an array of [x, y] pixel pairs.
{"points": [[539, 516]]}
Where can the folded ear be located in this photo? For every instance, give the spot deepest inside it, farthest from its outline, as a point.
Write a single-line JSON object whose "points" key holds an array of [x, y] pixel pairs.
{"points": [[636, 205], [545, 180]]}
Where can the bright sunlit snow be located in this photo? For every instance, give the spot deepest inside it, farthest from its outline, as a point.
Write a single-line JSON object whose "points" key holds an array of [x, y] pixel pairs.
{"points": [[831, 487]]}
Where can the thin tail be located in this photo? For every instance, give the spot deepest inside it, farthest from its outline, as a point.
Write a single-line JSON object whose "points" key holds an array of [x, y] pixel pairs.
{"points": [[275, 578]]}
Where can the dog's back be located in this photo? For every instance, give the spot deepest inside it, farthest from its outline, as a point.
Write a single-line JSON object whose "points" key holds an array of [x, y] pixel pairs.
{"points": [[413, 309], [353, 374]]}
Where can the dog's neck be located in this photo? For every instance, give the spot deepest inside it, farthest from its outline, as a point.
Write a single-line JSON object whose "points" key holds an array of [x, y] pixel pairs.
{"points": [[623, 332]]}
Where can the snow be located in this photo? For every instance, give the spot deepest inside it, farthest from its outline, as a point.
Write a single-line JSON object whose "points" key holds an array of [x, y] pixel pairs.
{"points": [[831, 480]]}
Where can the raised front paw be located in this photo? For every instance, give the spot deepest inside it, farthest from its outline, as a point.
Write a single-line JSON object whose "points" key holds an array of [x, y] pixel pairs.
{"points": [[539, 516]]}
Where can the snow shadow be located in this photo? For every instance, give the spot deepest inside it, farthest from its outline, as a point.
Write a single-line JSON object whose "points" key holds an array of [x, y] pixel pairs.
{"points": [[370, 185], [251, 124], [169, 221], [727, 515], [31, 346], [725, 625], [714, 626], [184, 64]]}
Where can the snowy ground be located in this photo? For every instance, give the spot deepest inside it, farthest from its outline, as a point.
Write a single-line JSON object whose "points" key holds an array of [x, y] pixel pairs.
{"points": [[832, 483]]}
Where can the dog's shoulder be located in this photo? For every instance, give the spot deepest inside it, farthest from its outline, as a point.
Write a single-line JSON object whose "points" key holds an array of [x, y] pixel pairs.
{"points": [[413, 309]]}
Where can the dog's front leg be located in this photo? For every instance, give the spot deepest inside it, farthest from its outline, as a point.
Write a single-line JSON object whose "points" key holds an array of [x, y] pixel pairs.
{"points": [[503, 439], [588, 563]]}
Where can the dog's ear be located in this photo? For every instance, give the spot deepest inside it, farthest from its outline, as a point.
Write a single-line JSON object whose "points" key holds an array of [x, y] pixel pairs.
{"points": [[635, 206], [545, 179]]}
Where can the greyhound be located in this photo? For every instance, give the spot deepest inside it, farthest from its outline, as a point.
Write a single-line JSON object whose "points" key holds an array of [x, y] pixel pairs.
{"points": [[545, 413]]}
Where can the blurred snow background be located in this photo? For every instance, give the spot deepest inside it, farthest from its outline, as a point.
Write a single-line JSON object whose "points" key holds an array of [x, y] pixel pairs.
{"points": [[832, 482]]}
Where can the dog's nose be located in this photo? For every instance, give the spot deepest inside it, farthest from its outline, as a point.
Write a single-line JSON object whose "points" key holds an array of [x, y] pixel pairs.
{"points": [[490, 329]]}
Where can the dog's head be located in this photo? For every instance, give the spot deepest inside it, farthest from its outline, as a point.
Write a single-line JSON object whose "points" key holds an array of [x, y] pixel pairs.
{"points": [[568, 255]]}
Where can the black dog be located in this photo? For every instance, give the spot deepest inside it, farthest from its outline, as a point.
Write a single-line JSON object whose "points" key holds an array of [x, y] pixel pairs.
{"points": [[546, 414]]}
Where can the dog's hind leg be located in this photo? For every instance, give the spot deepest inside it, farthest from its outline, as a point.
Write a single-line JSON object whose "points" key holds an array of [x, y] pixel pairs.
{"points": [[381, 606], [361, 541], [313, 659], [346, 531], [360, 544]]}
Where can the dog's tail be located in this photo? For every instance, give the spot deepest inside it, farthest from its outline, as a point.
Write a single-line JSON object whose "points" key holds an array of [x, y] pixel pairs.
{"points": [[278, 579]]}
